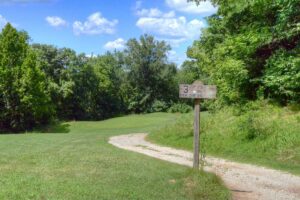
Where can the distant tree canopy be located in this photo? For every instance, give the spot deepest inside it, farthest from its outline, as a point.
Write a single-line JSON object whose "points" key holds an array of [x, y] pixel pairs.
{"points": [[40, 83], [251, 50]]}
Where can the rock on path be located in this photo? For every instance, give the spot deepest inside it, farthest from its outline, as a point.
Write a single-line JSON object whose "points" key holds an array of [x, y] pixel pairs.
{"points": [[246, 182]]}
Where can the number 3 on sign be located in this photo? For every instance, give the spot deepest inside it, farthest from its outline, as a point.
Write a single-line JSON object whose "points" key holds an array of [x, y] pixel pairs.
{"points": [[186, 89]]}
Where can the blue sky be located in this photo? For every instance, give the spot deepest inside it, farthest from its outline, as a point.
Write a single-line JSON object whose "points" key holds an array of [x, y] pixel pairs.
{"points": [[96, 26]]}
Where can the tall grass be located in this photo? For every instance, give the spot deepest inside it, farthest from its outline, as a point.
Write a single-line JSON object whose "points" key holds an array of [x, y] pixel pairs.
{"points": [[258, 133]]}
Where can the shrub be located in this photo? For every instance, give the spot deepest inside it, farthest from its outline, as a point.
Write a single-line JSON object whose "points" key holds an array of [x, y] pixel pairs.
{"points": [[180, 107], [159, 106], [282, 76], [251, 126]]}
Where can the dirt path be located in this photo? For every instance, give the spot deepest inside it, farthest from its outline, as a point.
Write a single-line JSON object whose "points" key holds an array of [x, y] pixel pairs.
{"points": [[244, 180]]}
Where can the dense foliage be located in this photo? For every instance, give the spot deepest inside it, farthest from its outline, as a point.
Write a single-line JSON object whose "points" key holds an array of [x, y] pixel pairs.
{"points": [[40, 83], [251, 50], [24, 100]]}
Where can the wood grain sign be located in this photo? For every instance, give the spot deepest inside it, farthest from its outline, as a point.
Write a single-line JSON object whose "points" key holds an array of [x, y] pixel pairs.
{"points": [[197, 91]]}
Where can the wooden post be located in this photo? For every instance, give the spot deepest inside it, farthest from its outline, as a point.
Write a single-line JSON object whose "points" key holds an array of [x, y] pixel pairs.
{"points": [[197, 91], [196, 133]]}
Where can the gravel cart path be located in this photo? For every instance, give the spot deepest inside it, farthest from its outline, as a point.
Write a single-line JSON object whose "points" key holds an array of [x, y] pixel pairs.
{"points": [[245, 181]]}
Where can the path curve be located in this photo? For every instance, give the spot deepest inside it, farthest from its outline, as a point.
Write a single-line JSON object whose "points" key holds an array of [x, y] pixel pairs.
{"points": [[247, 182]]}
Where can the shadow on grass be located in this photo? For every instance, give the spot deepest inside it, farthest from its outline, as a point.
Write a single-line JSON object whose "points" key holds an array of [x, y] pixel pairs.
{"points": [[58, 127]]}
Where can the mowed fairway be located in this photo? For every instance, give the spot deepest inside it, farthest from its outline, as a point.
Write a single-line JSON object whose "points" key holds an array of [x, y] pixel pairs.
{"points": [[76, 162]]}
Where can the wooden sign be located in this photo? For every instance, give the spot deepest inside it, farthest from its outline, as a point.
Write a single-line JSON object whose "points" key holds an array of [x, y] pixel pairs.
{"points": [[197, 91]]}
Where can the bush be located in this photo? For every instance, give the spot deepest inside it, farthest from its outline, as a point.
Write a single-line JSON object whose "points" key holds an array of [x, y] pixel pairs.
{"points": [[251, 126], [159, 106], [254, 121], [180, 107], [282, 76]]}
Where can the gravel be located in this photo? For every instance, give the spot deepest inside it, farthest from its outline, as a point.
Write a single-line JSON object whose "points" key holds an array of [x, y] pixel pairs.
{"points": [[247, 182]]}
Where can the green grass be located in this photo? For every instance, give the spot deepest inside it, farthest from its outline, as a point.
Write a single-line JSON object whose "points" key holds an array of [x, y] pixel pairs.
{"points": [[74, 161], [260, 134]]}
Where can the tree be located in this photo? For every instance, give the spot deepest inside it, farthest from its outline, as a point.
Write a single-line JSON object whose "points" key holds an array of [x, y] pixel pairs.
{"points": [[281, 77], [24, 100], [150, 75], [58, 65], [239, 48], [189, 72], [82, 88], [110, 74]]}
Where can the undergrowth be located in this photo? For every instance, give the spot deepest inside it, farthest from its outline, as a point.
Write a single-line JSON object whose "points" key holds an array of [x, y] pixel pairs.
{"points": [[259, 133]]}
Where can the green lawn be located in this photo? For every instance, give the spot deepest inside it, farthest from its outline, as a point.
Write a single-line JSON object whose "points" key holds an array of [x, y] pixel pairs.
{"points": [[265, 135], [74, 161]]}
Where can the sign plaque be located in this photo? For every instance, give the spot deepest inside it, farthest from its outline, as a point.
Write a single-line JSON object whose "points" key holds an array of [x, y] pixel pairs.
{"points": [[197, 91]]}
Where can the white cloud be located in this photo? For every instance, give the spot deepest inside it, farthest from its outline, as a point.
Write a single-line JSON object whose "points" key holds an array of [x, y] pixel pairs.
{"points": [[169, 14], [167, 26], [56, 21], [95, 24], [175, 27], [174, 42], [3, 21], [154, 12], [191, 7], [116, 44], [175, 30]]}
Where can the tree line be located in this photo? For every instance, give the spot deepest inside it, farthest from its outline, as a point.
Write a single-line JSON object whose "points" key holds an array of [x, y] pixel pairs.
{"points": [[40, 83], [251, 50]]}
